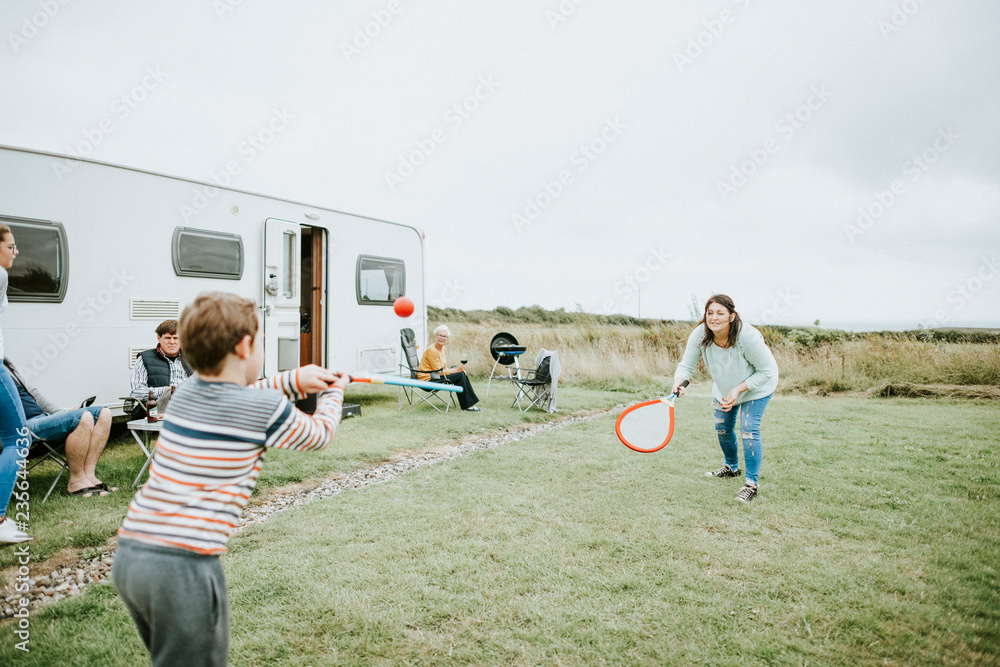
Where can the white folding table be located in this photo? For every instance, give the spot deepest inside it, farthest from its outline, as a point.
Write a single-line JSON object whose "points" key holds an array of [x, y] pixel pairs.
{"points": [[144, 432]]}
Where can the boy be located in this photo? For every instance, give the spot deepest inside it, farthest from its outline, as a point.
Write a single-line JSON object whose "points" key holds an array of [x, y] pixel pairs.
{"points": [[207, 461]]}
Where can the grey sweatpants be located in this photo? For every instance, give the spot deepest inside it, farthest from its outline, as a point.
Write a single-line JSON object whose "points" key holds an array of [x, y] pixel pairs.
{"points": [[178, 601]]}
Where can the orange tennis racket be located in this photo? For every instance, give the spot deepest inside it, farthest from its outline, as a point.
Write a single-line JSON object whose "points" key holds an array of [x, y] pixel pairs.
{"points": [[647, 427]]}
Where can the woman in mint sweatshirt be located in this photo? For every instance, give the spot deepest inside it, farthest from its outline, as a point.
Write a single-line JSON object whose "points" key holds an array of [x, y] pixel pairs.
{"points": [[744, 376]]}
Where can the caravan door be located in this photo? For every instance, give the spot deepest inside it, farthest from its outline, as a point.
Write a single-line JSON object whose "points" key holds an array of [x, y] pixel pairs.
{"points": [[282, 298]]}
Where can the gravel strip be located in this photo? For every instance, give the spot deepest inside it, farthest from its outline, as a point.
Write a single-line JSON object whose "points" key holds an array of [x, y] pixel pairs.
{"points": [[72, 579]]}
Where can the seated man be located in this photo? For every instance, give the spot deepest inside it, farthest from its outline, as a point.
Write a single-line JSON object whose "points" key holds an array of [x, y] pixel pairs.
{"points": [[85, 431], [159, 369]]}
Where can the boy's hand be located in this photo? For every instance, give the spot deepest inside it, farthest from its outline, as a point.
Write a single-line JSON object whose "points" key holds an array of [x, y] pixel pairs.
{"points": [[343, 379], [314, 379]]}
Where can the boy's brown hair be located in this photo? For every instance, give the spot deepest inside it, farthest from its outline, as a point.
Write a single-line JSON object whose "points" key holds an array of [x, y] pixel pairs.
{"points": [[212, 325]]}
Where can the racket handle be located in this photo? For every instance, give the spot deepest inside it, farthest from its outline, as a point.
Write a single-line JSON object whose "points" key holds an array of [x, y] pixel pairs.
{"points": [[679, 387]]}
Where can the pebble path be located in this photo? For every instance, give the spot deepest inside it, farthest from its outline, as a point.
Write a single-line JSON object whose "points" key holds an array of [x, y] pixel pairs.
{"points": [[72, 579]]}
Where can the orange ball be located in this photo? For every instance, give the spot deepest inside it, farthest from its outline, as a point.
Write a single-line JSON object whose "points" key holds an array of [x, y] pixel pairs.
{"points": [[403, 306]]}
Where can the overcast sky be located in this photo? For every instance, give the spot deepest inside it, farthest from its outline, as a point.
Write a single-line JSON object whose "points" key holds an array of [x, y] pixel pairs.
{"points": [[813, 160]]}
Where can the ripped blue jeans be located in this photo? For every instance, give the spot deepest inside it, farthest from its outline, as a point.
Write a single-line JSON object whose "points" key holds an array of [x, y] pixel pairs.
{"points": [[750, 414]]}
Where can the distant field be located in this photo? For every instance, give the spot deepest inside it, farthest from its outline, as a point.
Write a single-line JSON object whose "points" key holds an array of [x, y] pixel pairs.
{"points": [[875, 540], [628, 354]]}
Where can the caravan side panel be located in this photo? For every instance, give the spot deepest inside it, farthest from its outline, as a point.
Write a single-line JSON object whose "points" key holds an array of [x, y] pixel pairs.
{"points": [[120, 227]]}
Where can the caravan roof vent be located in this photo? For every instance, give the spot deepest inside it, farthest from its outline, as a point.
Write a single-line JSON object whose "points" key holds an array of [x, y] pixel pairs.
{"points": [[148, 309], [133, 354]]}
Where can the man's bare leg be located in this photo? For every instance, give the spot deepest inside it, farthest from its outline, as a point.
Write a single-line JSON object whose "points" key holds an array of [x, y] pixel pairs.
{"points": [[98, 441], [77, 446]]}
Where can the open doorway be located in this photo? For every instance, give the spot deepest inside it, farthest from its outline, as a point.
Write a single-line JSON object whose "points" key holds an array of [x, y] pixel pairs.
{"points": [[312, 315]]}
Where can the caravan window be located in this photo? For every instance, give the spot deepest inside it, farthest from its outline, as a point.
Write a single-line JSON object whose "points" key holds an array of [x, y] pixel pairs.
{"points": [[41, 271], [380, 280], [207, 254]]}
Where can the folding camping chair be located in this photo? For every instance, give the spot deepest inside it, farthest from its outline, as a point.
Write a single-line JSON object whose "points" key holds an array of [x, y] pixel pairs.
{"points": [[538, 386], [131, 405], [42, 450], [413, 395]]}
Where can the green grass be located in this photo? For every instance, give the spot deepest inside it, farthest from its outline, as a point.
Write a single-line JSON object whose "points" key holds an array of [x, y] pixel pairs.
{"points": [[875, 540], [72, 522]]}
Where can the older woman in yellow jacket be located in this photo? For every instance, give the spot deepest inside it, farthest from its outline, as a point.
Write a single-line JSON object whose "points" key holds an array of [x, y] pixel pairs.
{"points": [[434, 367]]}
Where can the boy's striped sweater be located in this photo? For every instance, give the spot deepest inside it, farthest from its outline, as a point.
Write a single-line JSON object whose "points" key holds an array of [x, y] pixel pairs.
{"points": [[208, 457]]}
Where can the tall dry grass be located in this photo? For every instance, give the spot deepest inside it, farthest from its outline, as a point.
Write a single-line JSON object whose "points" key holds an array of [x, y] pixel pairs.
{"points": [[600, 355], [629, 357], [872, 361]]}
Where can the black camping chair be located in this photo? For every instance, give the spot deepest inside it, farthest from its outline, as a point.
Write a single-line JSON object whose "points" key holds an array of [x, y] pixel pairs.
{"points": [[55, 451], [414, 395], [133, 407], [534, 387]]}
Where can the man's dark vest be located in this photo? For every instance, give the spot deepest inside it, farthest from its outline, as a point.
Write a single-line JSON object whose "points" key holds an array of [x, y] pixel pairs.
{"points": [[157, 368]]}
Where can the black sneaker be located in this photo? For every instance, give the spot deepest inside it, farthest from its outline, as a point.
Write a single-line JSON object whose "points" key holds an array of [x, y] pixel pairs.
{"points": [[747, 493], [724, 471]]}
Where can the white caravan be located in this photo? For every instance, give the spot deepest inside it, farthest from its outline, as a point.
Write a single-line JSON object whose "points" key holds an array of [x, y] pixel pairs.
{"points": [[108, 252]]}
